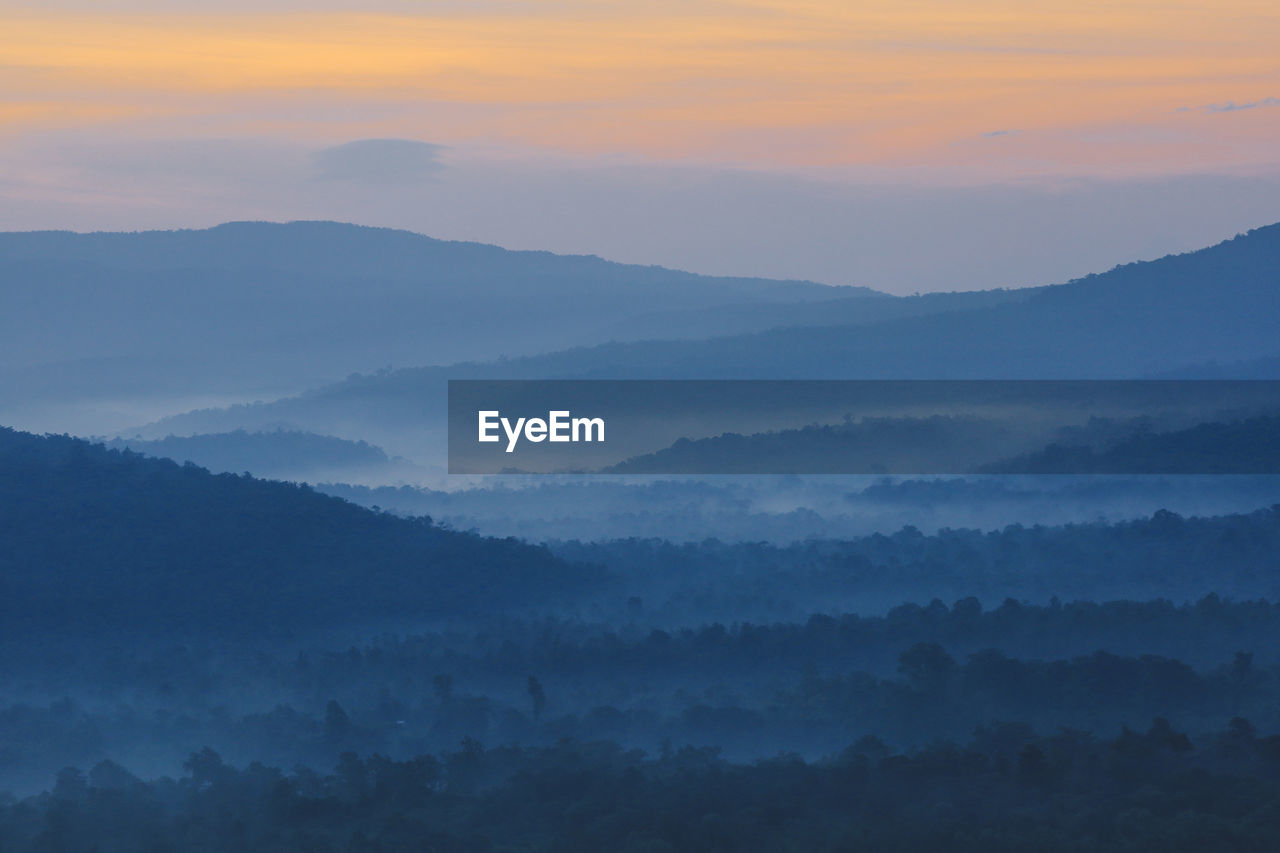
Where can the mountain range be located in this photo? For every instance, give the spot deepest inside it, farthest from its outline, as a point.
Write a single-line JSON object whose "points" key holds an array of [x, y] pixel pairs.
{"points": [[1179, 315], [252, 307]]}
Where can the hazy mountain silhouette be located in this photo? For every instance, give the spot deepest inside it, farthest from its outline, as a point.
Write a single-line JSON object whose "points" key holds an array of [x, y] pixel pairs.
{"points": [[940, 444], [1249, 446], [280, 454], [872, 445], [1216, 304], [248, 307]]}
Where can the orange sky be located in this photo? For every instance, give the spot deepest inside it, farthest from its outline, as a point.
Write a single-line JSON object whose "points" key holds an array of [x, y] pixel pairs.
{"points": [[1094, 87]]}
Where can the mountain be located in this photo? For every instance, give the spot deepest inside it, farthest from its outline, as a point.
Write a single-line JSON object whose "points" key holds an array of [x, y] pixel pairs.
{"points": [[1248, 446], [950, 445], [94, 539], [937, 444], [277, 454], [1150, 318], [255, 307]]}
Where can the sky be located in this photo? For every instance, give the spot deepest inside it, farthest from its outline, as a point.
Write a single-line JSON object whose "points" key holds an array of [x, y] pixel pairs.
{"points": [[908, 145]]}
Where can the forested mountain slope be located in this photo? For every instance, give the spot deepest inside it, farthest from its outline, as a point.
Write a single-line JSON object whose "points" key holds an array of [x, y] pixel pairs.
{"points": [[97, 539]]}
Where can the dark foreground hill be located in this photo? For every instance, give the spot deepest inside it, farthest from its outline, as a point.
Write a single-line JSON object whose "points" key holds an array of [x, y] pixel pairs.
{"points": [[93, 539]]}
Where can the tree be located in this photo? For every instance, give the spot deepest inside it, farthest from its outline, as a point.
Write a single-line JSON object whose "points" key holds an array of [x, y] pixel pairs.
{"points": [[442, 686], [336, 722], [538, 696], [927, 666]]}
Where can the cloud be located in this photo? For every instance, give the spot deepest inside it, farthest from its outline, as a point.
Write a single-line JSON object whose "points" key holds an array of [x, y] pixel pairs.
{"points": [[1232, 106], [379, 161], [991, 133]]}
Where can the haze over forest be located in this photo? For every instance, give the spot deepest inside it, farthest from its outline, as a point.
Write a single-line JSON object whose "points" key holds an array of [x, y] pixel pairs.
{"points": [[195, 595]]}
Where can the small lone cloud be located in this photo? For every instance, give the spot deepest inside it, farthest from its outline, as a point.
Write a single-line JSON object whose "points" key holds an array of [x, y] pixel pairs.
{"points": [[1232, 106], [379, 161], [991, 133]]}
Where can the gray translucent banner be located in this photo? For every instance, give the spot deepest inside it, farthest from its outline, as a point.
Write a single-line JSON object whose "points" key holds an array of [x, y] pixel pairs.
{"points": [[863, 427]]}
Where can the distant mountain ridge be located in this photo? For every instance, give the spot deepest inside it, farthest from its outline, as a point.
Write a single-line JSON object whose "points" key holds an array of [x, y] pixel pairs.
{"points": [[1249, 446], [1218, 304], [277, 454], [948, 445], [256, 307]]}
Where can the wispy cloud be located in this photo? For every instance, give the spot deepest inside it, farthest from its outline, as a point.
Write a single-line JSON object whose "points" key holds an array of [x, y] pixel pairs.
{"points": [[991, 133], [1232, 106], [379, 161]]}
